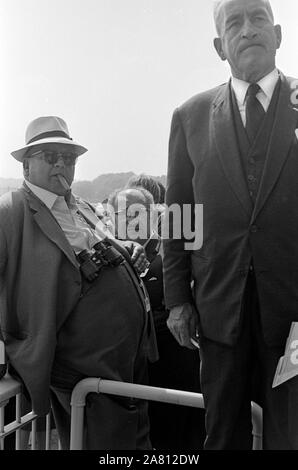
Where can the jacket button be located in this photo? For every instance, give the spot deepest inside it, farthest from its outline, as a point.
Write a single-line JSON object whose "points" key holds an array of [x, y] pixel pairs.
{"points": [[254, 229]]}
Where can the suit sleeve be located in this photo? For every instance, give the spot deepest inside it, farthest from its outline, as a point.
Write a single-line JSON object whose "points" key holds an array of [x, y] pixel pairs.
{"points": [[3, 253], [176, 260]]}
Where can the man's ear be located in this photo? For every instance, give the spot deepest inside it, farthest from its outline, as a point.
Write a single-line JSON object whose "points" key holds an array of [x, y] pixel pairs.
{"points": [[218, 47], [26, 167], [278, 35]]}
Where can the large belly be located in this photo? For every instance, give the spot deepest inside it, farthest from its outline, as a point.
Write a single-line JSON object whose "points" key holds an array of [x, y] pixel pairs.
{"points": [[102, 336]]}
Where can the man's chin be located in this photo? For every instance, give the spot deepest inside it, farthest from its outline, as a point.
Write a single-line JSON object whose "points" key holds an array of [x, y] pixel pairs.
{"points": [[58, 189], [252, 68]]}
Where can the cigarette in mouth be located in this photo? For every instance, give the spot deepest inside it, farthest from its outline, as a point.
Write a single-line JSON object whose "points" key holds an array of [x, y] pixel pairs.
{"points": [[63, 182]]}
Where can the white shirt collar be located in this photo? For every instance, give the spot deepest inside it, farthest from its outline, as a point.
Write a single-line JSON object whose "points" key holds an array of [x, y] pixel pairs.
{"points": [[47, 197], [267, 85]]}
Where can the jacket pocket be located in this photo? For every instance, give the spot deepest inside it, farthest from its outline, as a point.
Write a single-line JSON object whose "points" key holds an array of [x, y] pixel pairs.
{"points": [[19, 335]]}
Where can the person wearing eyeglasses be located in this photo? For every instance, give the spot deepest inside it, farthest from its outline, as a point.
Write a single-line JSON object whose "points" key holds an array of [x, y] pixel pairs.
{"points": [[71, 302], [172, 427]]}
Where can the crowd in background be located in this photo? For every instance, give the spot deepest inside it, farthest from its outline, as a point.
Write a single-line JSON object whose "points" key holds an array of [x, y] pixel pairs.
{"points": [[172, 427]]}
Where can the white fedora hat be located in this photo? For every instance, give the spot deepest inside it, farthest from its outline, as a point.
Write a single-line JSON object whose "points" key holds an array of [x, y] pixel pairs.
{"points": [[47, 130]]}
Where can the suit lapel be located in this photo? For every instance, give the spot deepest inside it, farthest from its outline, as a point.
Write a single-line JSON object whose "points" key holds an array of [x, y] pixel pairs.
{"points": [[227, 147], [48, 224], [282, 136]]}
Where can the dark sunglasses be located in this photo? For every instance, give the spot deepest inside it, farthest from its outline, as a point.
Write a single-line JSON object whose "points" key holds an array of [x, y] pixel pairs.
{"points": [[51, 157]]}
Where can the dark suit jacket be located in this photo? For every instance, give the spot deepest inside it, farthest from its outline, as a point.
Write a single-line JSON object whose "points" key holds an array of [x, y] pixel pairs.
{"points": [[205, 168], [40, 284]]}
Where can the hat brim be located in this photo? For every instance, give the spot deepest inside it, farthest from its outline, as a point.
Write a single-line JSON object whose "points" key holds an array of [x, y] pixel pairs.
{"points": [[75, 147]]}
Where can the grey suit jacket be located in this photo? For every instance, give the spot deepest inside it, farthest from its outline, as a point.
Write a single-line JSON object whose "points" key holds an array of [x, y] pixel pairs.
{"points": [[34, 300], [40, 284]]}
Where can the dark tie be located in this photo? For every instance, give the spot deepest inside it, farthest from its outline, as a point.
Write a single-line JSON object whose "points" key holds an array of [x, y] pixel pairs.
{"points": [[254, 112]]}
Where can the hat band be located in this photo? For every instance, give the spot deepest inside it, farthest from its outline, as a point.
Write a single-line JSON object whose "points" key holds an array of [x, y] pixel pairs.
{"points": [[45, 135]]}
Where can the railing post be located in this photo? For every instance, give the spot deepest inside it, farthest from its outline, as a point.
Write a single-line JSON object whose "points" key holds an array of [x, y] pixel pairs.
{"points": [[257, 420], [78, 402]]}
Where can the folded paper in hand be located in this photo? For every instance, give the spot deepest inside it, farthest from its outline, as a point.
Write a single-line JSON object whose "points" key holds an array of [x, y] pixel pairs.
{"points": [[288, 364]]}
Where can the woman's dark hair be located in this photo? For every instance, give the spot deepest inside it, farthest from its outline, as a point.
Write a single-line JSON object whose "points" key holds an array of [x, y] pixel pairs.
{"points": [[146, 182]]}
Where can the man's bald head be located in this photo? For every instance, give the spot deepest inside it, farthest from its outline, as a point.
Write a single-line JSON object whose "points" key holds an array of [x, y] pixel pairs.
{"points": [[217, 10]]}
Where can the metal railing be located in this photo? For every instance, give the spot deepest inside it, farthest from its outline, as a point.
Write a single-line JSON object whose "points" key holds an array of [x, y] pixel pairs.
{"points": [[97, 385], [11, 388]]}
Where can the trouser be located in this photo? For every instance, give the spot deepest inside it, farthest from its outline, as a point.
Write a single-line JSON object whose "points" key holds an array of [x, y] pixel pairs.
{"points": [[105, 336], [233, 376], [110, 423]]}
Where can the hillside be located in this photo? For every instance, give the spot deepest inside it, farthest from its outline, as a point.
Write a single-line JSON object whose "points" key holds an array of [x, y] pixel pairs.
{"points": [[93, 191]]}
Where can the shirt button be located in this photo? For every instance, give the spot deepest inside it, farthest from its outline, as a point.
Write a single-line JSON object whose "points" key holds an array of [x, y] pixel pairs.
{"points": [[251, 178], [254, 229]]}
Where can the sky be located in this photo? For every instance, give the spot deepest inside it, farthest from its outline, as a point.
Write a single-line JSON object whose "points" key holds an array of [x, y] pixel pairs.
{"points": [[115, 70]]}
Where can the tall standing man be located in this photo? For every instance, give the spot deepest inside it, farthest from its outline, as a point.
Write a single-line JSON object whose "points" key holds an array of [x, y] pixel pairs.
{"points": [[234, 150]]}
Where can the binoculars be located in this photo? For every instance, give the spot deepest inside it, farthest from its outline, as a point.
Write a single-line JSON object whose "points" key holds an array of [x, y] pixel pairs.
{"points": [[91, 262]]}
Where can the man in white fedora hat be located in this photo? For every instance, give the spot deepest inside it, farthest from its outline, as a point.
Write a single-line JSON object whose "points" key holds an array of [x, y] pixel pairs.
{"points": [[71, 303]]}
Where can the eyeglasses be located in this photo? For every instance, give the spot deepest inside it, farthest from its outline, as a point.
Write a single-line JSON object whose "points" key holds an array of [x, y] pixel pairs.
{"points": [[52, 157]]}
